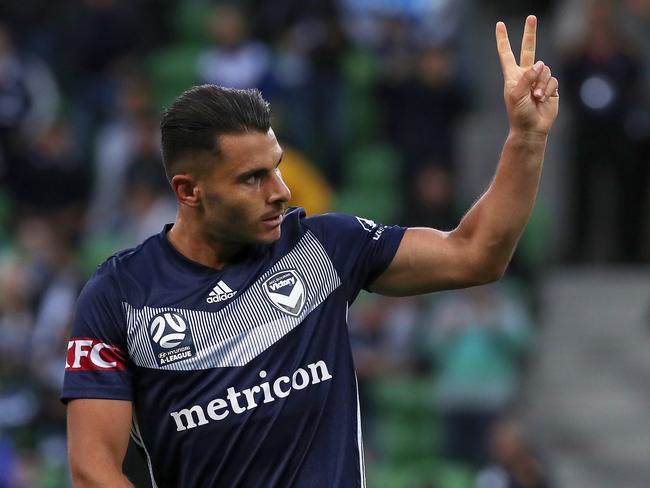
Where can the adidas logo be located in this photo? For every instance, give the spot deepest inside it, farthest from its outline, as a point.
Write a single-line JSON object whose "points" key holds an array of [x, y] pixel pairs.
{"points": [[220, 292]]}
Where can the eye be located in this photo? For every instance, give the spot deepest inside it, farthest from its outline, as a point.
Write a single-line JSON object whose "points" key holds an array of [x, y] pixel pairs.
{"points": [[254, 179]]}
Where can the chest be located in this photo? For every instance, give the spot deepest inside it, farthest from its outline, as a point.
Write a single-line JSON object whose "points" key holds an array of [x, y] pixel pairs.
{"points": [[227, 320]]}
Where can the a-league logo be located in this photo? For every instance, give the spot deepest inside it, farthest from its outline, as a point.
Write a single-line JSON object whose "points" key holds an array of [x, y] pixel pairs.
{"points": [[168, 329], [171, 338]]}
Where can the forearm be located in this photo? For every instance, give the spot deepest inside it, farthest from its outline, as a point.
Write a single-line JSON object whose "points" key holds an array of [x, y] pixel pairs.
{"points": [[495, 223], [98, 437], [480, 248], [96, 477]]}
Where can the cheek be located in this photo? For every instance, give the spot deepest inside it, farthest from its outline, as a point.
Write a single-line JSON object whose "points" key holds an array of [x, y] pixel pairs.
{"points": [[236, 216], [228, 213]]}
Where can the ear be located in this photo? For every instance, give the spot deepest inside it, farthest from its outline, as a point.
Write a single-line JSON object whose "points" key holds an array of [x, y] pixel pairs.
{"points": [[186, 189]]}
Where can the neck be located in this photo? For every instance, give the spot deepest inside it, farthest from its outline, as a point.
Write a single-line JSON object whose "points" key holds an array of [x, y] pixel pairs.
{"points": [[190, 239]]}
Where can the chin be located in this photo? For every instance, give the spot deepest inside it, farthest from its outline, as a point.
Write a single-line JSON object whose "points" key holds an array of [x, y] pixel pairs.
{"points": [[271, 236]]}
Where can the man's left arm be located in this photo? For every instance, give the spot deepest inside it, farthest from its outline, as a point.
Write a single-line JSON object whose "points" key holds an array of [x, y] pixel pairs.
{"points": [[480, 248]]}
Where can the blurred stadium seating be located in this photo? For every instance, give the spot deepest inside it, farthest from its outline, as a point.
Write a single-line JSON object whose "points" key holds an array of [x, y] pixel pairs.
{"points": [[393, 111]]}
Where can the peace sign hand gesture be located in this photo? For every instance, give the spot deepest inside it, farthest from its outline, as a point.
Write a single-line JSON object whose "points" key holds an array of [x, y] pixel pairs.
{"points": [[530, 92]]}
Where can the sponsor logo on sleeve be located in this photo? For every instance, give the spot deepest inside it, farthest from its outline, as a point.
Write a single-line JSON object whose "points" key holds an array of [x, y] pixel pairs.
{"points": [[370, 225], [286, 291], [86, 354], [367, 224], [171, 338]]}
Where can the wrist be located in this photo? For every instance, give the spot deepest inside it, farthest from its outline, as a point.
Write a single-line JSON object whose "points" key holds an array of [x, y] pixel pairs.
{"points": [[528, 137]]}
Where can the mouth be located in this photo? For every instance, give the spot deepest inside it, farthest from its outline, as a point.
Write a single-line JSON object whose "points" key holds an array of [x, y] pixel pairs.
{"points": [[273, 220]]}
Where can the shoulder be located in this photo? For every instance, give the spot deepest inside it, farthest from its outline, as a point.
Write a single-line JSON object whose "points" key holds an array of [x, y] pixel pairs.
{"points": [[325, 227], [337, 221], [108, 280], [342, 227]]}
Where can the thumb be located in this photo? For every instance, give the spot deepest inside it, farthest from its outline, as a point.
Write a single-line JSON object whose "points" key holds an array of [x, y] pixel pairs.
{"points": [[525, 84]]}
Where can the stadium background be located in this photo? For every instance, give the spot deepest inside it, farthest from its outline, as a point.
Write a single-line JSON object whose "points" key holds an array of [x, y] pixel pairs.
{"points": [[388, 109]]}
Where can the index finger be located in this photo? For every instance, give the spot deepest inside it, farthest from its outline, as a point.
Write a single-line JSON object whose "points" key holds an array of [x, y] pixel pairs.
{"points": [[503, 47], [528, 42]]}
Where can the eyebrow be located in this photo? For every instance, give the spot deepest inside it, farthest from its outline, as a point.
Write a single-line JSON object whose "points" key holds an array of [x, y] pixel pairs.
{"points": [[253, 171]]}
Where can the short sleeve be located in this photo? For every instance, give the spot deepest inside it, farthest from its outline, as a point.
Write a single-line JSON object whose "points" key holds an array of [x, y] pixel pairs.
{"points": [[359, 248], [97, 363]]}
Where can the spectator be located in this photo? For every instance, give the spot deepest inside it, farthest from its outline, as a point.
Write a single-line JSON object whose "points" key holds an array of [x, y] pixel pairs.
{"points": [[430, 198], [602, 80], [423, 107], [50, 174], [309, 81], [514, 464], [148, 203], [15, 316], [478, 336], [100, 38], [235, 60], [116, 146], [29, 99]]}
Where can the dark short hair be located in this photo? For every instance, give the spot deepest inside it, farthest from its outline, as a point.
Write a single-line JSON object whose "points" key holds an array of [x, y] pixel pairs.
{"points": [[193, 123]]}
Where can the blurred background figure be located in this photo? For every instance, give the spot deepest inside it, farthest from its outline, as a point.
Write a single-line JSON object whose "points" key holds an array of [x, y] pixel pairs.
{"points": [[115, 145], [602, 79], [430, 198], [478, 337], [29, 98], [49, 175], [423, 106], [308, 77], [236, 60], [514, 464], [388, 110]]}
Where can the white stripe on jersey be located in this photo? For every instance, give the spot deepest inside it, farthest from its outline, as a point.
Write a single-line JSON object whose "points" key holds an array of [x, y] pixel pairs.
{"points": [[137, 438], [244, 328], [362, 460]]}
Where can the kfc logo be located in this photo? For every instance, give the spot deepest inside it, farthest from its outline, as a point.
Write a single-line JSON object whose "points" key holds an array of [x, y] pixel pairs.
{"points": [[93, 355]]}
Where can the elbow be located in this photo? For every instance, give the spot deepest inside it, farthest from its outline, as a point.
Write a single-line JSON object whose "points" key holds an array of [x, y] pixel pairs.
{"points": [[494, 273], [486, 276], [87, 475], [488, 270], [82, 475]]}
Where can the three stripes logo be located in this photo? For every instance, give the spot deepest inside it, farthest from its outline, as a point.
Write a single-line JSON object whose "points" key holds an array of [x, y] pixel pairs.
{"points": [[220, 292]]}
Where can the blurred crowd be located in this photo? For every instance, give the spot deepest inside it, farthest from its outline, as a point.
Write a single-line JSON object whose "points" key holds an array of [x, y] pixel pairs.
{"points": [[367, 99]]}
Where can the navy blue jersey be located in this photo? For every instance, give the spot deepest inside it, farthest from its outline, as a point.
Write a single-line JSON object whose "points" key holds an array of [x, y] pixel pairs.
{"points": [[240, 377]]}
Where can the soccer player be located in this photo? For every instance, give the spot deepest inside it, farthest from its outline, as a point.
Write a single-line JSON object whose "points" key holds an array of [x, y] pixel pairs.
{"points": [[220, 345]]}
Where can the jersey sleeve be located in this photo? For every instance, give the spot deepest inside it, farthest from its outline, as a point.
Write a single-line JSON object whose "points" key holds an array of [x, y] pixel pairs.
{"points": [[359, 248], [97, 363]]}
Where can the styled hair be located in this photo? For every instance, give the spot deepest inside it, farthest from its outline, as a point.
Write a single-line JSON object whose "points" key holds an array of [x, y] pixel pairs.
{"points": [[193, 123]]}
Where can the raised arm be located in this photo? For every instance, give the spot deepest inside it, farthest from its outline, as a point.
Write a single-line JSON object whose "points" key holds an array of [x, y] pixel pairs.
{"points": [[98, 436], [480, 248]]}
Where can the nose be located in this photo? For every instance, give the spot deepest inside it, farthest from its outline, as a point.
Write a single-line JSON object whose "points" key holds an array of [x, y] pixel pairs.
{"points": [[279, 190]]}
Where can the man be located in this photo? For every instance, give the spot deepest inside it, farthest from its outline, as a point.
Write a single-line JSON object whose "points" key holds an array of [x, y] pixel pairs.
{"points": [[221, 345]]}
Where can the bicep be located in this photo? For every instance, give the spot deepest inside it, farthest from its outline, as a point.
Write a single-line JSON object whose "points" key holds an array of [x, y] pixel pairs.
{"points": [[429, 260], [98, 434]]}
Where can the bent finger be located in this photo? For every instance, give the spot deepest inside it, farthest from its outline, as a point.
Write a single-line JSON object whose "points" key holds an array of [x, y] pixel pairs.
{"points": [[542, 81], [551, 89], [525, 84]]}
